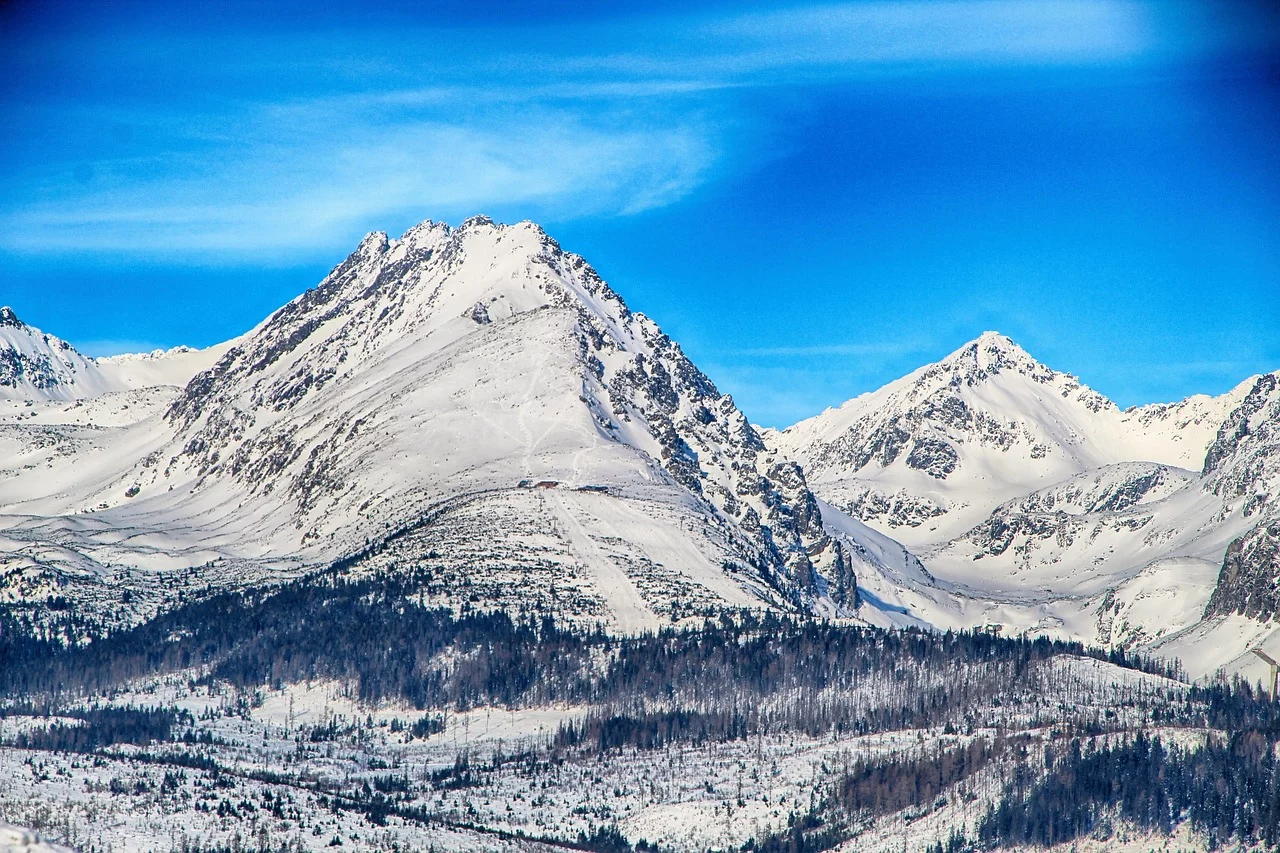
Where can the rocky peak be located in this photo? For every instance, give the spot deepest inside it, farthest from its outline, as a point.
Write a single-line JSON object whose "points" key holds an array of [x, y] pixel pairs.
{"points": [[989, 392], [1252, 422], [991, 354], [270, 410], [38, 366]]}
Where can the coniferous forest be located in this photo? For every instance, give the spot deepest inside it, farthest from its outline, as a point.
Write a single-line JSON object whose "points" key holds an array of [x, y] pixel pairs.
{"points": [[972, 740]]}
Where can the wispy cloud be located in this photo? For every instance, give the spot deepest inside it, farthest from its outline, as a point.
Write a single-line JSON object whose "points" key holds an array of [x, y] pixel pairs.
{"points": [[315, 186], [289, 144], [921, 35]]}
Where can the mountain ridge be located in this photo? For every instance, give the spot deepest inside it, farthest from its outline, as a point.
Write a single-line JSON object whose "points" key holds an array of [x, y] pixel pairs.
{"points": [[1012, 481], [476, 405], [417, 396]]}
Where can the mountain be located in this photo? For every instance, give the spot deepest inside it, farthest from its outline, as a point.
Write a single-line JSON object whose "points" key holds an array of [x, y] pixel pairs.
{"points": [[475, 408], [928, 456], [473, 402], [1035, 503], [37, 366]]}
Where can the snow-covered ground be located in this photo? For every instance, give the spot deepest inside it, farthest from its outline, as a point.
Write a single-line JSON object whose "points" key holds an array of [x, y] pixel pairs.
{"points": [[288, 765]]}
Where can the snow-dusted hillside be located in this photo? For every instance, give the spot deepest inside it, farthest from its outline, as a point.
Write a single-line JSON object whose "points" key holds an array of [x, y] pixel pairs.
{"points": [[474, 400]]}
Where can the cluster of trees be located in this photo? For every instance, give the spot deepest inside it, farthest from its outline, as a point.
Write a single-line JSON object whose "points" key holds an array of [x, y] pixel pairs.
{"points": [[874, 788], [1230, 790], [104, 726]]}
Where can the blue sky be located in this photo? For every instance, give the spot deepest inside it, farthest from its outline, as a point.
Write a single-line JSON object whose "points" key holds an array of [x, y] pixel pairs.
{"points": [[813, 199]]}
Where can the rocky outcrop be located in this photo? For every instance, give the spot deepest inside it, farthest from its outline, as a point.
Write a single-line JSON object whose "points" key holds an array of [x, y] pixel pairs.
{"points": [[1242, 466], [1250, 579], [37, 366]]}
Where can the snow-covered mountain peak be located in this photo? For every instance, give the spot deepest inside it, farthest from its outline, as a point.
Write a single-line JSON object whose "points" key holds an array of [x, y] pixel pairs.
{"points": [[36, 366], [994, 357], [8, 318], [989, 396], [373, 244], [929, 455], [468, 366], [993, 352]]}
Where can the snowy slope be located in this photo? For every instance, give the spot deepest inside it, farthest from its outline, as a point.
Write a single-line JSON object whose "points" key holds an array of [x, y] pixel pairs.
{"points": [[475, 400], [160, 367]]}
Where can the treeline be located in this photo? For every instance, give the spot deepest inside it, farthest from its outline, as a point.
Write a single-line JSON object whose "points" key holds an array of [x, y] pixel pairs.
{"points": [[1229, 790], [99, 727], [365, 632], [370, 632], [741, 674], [601, 732]]}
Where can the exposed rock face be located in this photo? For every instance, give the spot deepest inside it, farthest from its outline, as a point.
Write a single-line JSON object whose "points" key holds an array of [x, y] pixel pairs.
{"points": [[1242, 467], [1108, 500], [1250, 578], [934, 456], [889, 509], [1243, 453]]}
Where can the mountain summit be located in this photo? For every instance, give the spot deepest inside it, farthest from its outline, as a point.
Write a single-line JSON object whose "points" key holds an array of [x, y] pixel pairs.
{"points": [[990, 354], [479, 404], [37, 366], [930, 454]]}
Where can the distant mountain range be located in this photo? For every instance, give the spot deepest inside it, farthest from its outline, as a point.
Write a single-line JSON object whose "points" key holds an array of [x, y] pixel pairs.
{"points": [[477, 405]]}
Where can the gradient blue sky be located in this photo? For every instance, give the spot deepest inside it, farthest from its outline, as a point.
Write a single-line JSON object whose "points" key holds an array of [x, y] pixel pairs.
{"points": [[812, 199]]}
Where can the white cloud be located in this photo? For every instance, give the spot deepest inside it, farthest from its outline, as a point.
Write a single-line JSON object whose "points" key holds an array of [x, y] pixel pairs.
{"points": [[602, 119], [316, 186]]}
